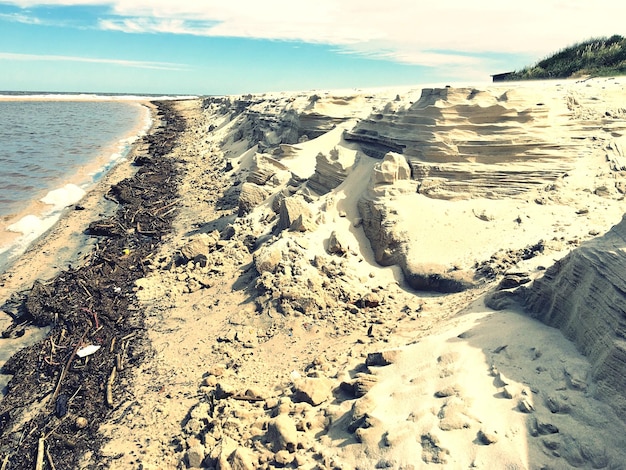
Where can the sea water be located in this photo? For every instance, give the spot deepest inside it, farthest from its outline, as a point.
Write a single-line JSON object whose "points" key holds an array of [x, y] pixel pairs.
{"points": [[52, 149]]}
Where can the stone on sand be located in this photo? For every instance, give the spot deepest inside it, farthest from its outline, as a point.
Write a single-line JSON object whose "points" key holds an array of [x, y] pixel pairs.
{"points": [[487, 437], [312, 390], [290, 209], [199, 245], [282, 433], [383, 358], [335, 246], [251, 196]]}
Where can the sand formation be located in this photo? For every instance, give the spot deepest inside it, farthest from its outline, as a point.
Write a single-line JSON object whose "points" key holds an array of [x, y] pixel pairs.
{"points": [[320, 303]]}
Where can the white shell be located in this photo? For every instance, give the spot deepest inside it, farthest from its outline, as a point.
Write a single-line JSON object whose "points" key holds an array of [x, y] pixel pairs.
{"points": [[87, 350]]}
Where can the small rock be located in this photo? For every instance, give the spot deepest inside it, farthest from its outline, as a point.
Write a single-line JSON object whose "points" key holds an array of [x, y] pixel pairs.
{"points": [[209, 381], [363, 384], [511, 281], [251, 195], [383, 358], [482, 215], [312, 390], [575, 381], [223, 450], [557, 405], [223, 391], [282, 433], [507, 393], [271, 403], [303, 223], [394, 167], [283, 458], [242, 459], [217, 370], [369, 300], [546, 428], [502, 380], [525, 406], [335, 247], [487, 438], [81, 423], [602, 191], [268, 258], [446, 392], [551, 444], [255, 393], [195, 456], [290, 209], [199, 245]]}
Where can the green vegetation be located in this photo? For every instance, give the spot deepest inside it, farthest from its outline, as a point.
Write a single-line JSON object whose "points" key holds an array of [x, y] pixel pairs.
{"points": [[595, 57]]}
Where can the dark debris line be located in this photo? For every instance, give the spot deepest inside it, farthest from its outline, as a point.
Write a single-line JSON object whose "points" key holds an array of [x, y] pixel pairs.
{"points": [[89, 305]]}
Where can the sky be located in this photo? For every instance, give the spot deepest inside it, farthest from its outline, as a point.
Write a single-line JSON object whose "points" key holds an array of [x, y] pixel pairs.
{"points": [[216, 47]]}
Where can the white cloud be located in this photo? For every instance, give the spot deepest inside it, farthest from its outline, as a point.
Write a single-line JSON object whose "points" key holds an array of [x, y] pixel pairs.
{"points": [[19, 18], [410, 31], [63, 58]]}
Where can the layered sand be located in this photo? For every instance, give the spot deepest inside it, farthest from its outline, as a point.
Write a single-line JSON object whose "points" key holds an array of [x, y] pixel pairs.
{"points": [[289, 344]]}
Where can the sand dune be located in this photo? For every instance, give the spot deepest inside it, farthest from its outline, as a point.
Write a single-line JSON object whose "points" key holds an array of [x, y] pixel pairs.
{"points": [[451, 189], [322, 301]]}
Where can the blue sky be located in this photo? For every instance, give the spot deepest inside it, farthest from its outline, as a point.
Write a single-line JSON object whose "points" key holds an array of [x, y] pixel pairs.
{"points": [[241, 46]]}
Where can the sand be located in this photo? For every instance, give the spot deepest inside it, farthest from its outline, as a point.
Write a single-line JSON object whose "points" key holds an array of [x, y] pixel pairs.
{"points": [[296, 348]]}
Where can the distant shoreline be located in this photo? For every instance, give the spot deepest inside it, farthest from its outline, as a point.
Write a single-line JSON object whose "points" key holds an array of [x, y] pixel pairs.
{"points": [[74, 96]]}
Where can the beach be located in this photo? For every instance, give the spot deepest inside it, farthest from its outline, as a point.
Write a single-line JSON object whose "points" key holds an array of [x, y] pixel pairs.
{"points": [[324, 279]]}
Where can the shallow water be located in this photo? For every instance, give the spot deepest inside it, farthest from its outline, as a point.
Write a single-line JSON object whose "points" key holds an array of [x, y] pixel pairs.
{"points": [[50, 153], [45, 143]]}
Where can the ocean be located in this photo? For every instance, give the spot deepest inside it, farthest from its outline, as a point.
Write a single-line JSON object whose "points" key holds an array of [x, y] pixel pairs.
{"points": [[53, 148]]}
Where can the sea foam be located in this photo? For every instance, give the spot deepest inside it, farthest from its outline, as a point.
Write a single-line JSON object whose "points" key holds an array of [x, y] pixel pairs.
{"points": [[63, 197]]}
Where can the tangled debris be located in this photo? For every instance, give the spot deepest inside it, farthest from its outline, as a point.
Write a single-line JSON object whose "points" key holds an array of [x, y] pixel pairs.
{"points": [[66, 385]]}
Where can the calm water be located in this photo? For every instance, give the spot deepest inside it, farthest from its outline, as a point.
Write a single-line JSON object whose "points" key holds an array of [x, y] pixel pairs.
{"points": [[50, 153], [45, 144]]}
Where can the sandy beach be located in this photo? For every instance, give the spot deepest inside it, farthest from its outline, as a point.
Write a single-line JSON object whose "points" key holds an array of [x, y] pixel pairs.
{"points": [[401, 279]]}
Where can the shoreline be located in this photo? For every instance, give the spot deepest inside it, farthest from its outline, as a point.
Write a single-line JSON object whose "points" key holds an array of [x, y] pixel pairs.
{"points": [[80, 304], [38, 215], [67, 223]]}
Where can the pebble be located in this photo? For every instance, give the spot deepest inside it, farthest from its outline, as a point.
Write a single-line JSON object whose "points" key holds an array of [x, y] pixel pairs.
{"points": [[195, 456], [487, 437], [282, 433], [525, 406], [284, 457], [81, 423]]}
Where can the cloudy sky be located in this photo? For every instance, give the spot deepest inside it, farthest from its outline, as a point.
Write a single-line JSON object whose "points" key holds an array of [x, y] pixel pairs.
{"points": [[240, 46]]}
